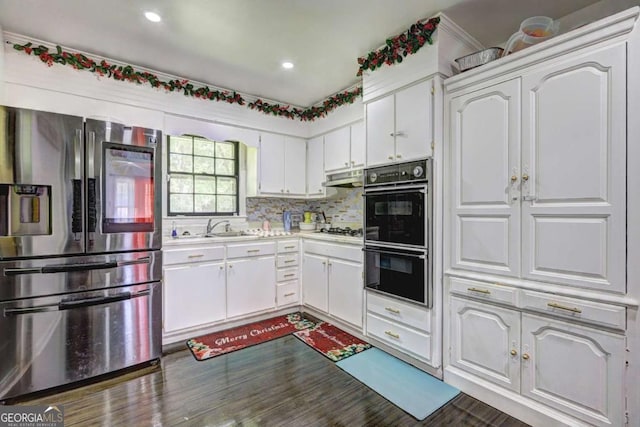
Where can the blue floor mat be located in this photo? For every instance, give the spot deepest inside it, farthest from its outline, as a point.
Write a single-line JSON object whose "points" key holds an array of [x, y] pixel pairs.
{"points": [[409, 388]]}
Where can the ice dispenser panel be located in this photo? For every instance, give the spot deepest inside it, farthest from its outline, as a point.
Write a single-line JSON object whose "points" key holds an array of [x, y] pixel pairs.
{"points": [[25, 210]]}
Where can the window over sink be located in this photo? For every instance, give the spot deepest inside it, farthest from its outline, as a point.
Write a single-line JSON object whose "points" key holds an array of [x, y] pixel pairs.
{"points": [[203, 176]]}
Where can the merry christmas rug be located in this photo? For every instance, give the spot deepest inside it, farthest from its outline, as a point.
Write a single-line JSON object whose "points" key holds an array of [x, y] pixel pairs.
{"points": [[221, 342], [331, 341]]}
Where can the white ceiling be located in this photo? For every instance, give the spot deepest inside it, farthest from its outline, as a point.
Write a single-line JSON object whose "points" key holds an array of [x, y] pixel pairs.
{"points": [[239, 44]]}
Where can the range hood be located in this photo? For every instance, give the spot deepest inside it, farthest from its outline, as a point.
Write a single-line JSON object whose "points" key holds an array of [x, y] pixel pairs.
{"points": [[348, 179]]}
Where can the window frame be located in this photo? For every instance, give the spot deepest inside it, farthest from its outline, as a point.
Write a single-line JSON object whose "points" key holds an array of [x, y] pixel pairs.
{"points": [[236, 159]]}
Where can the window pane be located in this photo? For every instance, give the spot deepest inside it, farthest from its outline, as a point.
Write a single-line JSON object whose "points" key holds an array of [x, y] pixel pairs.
{"points": [[225, 167], [203, 147], [205, 203], [205, 184], [226, 204], [180, 163], [203, 165], [225, 149], [180, 145], [181, 203], [227, 186], [181, 183]]}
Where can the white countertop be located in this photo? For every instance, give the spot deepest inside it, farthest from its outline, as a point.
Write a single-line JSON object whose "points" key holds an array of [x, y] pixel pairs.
{"points": [[199, 239]]}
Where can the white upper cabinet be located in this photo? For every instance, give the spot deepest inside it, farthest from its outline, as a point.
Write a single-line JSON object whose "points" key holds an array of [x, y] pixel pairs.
{"points": [[574, 171], [400, 125], [315, 167], [485, 150], [550, 207], [282, 165], [344, 148]]}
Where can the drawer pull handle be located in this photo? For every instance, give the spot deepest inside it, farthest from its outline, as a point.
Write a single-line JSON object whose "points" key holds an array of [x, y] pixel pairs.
{"points": [[289, 275], [392, 310], [289, 294], [289, 247], [514, 352], [480, 291], [525, 356], [195, 256], [391, 334], [253, 250], [563, 307], [289, 260]]}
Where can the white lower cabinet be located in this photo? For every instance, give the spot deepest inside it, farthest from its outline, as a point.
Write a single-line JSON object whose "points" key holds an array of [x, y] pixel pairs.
{"points": [[574, 368], [193, 287], [332, 280], [250, 285]]}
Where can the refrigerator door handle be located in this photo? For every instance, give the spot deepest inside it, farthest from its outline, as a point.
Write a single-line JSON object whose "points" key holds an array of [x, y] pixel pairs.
{"points": [[30, 310], [61, 268], [143, 260]]}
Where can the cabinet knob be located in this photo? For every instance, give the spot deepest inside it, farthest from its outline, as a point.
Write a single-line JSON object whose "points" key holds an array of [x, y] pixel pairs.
{"points": [[221, 267], [346, 163], [353, 162], [399, 156], [282, 190], [514, 178], [390, 157], [514, 352], [525, 177], [230, 265], [287, 191], [525, 356], [392, 134]]}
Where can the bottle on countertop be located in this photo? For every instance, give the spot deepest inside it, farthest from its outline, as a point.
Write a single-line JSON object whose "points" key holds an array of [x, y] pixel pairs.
{"points": [[286, 220], [174, 230]]}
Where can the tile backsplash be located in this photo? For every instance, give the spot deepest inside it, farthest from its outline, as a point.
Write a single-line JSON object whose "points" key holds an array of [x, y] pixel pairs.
{"points": [[343, 209]]}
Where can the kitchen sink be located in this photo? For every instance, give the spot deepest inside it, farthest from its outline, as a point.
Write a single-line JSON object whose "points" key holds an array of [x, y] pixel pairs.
{"points": [[225, 234]]}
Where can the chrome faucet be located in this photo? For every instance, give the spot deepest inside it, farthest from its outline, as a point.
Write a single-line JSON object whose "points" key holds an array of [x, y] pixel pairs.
{"points": [[211, 227]]}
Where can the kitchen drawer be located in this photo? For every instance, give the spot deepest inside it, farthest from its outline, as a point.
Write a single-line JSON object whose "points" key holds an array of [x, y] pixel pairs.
{"points": [[346, 252], [251, 249], [288, 245], [192, 254], [288, 293], [611, 316], [416, 316], [287, 260], [399, 336], [485, 291], [284, 275]]}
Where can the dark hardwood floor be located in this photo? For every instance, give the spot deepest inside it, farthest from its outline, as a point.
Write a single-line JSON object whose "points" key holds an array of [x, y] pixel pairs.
{"points": [[279, 383]]}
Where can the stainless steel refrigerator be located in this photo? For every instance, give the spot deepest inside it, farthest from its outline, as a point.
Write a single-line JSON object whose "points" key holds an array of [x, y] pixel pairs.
{"points": [[80, 240]]}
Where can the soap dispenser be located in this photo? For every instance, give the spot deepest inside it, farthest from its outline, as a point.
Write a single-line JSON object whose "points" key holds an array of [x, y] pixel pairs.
{"points": [[174, 230]]}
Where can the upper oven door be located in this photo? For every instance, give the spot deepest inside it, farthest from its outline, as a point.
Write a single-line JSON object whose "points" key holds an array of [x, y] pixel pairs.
{"points": [[397, 216], [123, 187]]}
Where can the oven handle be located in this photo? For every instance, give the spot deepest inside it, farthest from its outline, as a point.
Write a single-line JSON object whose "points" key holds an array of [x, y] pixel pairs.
{"points": [[67, 268], [394, 253], [395, 190], [71, 304]]}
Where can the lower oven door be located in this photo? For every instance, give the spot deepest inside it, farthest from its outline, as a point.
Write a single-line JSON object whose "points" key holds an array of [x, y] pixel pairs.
{"points": [[56, 340], [402, 273]]}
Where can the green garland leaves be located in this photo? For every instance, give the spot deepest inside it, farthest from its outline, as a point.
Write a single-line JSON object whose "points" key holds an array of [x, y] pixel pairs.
{"points": [[127, 73], [399, 47]]}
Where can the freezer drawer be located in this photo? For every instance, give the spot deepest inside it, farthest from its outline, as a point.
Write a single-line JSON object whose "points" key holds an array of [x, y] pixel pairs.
{"points": [[58, 340]]}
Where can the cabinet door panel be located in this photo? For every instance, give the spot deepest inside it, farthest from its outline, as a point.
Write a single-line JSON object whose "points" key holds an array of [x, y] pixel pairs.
{"points": [[193, 295], [294, 166], [251, 285], [315, 166], [271, 163], [485, 149], [482, 340], [337, 153], [358, 144], [380, 129], [574, 144], [414, 121], [573, 368], [346, 291], [314, 282]]}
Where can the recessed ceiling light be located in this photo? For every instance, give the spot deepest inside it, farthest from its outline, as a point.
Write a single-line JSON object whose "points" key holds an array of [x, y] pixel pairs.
{"points": [[287, 65], [152, 16]]}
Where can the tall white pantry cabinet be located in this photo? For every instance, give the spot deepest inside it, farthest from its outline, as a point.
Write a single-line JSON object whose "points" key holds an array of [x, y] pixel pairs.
{"points": [[541, 228]]}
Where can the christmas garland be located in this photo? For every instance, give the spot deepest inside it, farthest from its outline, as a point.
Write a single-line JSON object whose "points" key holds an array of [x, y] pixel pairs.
{"points": [[399, 47], [127, 73]]}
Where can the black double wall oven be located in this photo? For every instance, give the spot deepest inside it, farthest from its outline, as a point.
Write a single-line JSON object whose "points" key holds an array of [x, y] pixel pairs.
{"points": [[398, 205]]}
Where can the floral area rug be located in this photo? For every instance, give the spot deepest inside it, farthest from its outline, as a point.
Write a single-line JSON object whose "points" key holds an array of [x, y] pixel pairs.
{"points": [[331, 341], [217, 343]]}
